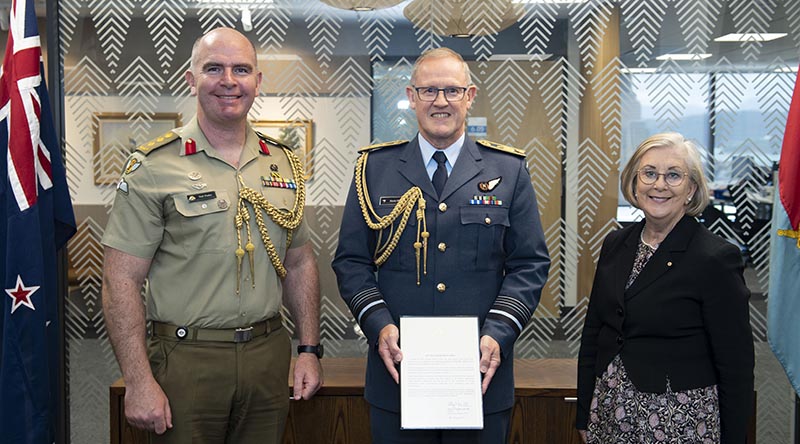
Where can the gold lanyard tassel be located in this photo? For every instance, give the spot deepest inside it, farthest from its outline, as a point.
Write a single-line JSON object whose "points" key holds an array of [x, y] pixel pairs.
{"points": [[286, 219], [402, 211]]}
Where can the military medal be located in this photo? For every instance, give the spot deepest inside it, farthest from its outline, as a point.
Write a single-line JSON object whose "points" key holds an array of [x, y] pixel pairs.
{"points": [[485, 200], [195, 175], [275, 180]]}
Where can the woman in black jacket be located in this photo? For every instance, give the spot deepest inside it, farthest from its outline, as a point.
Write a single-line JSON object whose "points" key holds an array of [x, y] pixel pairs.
{"points": [[667, 351]]}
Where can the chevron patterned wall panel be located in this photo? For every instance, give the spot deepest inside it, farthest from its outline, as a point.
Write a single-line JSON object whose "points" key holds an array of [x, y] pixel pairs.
{"points": [[575, 84]]}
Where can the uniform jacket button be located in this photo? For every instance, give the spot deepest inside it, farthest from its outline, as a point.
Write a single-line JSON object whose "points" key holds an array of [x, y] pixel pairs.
{"points": [[620, 311], [620, 340], [442, 246], [442, 207], [441, 287]]}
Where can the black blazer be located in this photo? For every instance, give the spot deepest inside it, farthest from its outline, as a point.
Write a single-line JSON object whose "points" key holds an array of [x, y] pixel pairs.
{"points": [[685, 319]]}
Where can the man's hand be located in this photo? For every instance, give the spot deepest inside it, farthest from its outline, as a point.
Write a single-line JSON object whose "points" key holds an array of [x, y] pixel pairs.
{"points": [[490, 360], [583, 435], [147, 407], [389, 349], [307, 376]]}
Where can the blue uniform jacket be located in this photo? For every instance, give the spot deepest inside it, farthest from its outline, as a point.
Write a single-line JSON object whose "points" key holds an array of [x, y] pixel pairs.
{"points": [[492, 259]]}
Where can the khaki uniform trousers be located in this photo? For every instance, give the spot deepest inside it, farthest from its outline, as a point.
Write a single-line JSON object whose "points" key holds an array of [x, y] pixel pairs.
{"points": [[223, 392]]}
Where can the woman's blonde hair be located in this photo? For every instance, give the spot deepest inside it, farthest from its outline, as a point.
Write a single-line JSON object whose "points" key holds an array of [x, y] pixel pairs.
{"points": [[629, 175]]}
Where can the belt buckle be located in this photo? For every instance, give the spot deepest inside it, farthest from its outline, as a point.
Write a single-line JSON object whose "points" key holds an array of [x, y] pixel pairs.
{"points": [[243, 334]]}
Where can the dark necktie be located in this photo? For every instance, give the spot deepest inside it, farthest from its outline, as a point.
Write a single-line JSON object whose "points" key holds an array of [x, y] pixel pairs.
{"points": [[440, 175]]}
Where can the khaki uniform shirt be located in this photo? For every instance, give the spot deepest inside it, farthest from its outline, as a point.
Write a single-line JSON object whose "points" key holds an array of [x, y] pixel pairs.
{"points": [[178, 209]]}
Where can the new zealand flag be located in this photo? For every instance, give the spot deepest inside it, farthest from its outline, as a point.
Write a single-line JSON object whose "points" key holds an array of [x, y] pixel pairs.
{"points": [[36, 219]]}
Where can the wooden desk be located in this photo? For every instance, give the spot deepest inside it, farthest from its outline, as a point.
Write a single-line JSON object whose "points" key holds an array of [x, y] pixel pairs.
{"points": [[544, 408], [339, 414]]}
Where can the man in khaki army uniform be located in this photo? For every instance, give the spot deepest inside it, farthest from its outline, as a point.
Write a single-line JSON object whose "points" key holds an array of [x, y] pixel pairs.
{"points": [[211, 216], [473, 245]]}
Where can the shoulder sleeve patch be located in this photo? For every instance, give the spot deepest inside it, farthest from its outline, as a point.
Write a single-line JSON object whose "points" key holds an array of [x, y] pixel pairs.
{"points": [[500, 147], [378, 146], [158, 142], [273, 141]]}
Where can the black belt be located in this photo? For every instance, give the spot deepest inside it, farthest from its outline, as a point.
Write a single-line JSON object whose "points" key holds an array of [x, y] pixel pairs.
{"points": [[241, 334]]}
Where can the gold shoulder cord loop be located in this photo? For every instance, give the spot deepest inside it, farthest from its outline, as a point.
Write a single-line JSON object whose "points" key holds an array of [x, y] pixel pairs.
{"points": [[401, 210], [287, 219]]}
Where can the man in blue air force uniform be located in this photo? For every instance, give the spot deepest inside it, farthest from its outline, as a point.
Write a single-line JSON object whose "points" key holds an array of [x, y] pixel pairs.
{"points": [[441, 225]]}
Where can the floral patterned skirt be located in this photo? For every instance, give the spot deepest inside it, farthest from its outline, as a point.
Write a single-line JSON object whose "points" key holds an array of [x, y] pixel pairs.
{"points": [[622, 414]]}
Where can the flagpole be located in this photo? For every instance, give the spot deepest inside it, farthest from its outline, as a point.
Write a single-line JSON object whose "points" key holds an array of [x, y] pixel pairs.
{"points": [[796, 428], [55, 84]]}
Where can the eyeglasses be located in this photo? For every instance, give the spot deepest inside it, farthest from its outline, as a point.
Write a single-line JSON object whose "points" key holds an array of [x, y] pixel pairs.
{"points": [[451, 93], [673, 178]]}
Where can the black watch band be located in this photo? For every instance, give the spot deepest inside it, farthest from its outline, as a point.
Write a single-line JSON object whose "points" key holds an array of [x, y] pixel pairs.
{"points": [[316, 349]]}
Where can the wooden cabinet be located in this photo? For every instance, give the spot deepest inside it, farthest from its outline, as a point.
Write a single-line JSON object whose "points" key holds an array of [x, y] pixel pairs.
{"points": [[544, 407]]}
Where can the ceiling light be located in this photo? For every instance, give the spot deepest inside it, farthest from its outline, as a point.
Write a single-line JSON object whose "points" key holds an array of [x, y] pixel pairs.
{"points": [[527, 2], [361, 5], [681, 57], [638, 70], [519, 57], [750, 37], [463, 18]]}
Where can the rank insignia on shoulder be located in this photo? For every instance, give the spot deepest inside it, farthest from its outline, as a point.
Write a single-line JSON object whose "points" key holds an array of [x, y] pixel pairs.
{"points": [[501, 147], [489, 185], [378, 146], [158, 142]]}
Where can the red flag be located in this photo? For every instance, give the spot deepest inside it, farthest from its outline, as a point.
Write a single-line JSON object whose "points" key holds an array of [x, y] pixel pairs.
{"points": [[789, 173]]}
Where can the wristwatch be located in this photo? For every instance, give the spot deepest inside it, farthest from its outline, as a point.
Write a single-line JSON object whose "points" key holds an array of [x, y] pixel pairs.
{"points": [[316, 349]]}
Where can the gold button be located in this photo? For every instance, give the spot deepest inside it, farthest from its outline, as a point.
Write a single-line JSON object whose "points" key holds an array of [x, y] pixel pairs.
{"points": [[442, 207], [488, 220], [442, 246], [441, 287], [669, 264]]}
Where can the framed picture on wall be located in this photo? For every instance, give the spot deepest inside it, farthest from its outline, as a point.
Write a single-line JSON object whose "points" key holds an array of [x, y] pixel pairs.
{"points": [[116, 137], [299, 134]]}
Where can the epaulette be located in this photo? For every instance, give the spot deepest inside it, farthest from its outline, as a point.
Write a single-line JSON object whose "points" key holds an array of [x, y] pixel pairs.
{"points": [[378, 146], [503, 148], [273, 141], [158, 142]]}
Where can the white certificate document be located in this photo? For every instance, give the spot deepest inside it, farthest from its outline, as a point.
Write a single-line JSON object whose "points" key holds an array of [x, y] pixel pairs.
{"points": [[440, 379]]}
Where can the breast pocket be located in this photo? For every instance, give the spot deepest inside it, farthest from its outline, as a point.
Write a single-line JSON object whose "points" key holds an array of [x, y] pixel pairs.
{"points": [[206, 225], [481, 236]]}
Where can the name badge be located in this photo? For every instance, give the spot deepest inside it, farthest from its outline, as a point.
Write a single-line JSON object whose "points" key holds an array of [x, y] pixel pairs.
{"points": [[208, 195], [389, 200]]}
